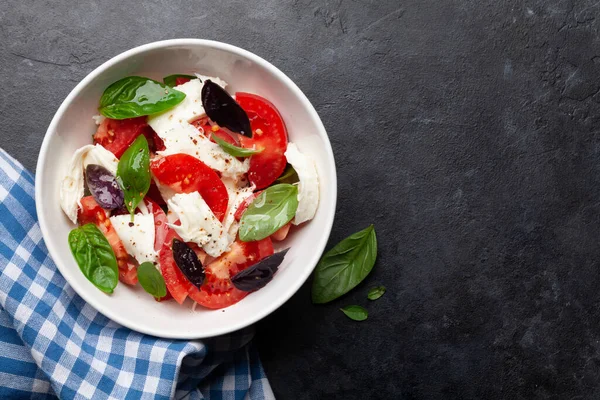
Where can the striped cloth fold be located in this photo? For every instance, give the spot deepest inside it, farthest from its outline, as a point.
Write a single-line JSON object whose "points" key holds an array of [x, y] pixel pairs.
{"points": [[53, 344]]}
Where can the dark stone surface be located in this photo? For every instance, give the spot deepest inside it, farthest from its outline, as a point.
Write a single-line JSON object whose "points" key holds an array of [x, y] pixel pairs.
{"points": [[466, 131]]}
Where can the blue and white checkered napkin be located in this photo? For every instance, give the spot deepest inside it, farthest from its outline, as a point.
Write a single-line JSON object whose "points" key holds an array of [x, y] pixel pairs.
{"points": [[53, 344]]}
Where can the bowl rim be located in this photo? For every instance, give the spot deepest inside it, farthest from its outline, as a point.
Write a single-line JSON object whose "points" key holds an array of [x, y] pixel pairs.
{"points": [[320, 245]]}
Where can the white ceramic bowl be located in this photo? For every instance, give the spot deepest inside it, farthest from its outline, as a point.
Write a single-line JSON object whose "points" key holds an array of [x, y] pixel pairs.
{"points": [[72, 127]]}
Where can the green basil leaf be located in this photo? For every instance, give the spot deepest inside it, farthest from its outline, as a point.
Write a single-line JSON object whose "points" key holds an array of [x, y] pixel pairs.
{"points": [[234, 150], [133, 173], [357, 313], [376, 292], [135, 96], [170, 80], [95, 257], [289, 175], [151, 280], [272, 209], [345, 266]]}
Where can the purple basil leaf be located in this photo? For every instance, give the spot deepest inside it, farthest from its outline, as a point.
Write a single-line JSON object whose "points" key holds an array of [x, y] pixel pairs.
{"points": [[104, 187], [258, 275], [188, 262], [224, 110]]}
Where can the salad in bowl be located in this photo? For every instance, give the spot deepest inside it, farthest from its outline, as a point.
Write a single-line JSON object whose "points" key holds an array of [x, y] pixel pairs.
{"points": [[184, 190]]}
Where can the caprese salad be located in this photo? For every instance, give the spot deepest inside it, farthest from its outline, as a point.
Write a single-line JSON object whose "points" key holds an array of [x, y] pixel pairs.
{"points": [[184, 190]]}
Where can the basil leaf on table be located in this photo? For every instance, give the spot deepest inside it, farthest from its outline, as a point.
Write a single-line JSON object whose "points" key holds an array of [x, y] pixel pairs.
{"points": [[345, 266], [135, 96], [234, 150], [95, 257], [133, 173], [376, 292], [171, 79], [272, 209], [151, 280], [356, 313], [289, 175]]}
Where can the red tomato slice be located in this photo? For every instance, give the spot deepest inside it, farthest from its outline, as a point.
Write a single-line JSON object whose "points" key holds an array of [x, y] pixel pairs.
{"points": [[177, 284], [185, 174], [116, 135], [282, 233], [217, 290], [244, 205], [208, 130], [92, 213], [161, 229], [180, 80], [129, 276], [269, 133]]}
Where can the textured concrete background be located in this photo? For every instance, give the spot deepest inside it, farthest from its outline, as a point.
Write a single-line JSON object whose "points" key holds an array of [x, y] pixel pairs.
{"points": [[464, 130]]}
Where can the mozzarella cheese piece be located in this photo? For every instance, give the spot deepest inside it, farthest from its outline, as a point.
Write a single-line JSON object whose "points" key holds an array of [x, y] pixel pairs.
{"points": [[308, 187], [72, 186], [179, 137], [99, 155], [186, 111], [215, 79], [183, 137], [198, 223], [238, 192], [137, 236]]}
